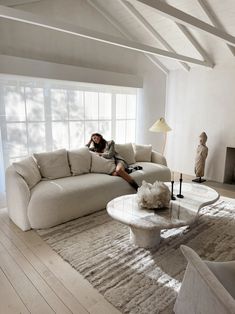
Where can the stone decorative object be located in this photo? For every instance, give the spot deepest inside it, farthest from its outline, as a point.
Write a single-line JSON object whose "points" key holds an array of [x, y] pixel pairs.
{"points": [[200, 160], [155, 195]]}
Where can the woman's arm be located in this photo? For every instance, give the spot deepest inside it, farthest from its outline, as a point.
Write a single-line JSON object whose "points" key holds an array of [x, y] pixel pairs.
{"points": [[109, 151], [91, 146]]}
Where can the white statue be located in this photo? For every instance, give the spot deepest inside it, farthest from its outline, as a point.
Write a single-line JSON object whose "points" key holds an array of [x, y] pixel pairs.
{"points": [[202, 152], [155, 195]]}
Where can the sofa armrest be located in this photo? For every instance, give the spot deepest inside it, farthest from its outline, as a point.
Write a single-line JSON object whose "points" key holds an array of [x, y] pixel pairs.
{"points": [[17, 196], [158, 158]]}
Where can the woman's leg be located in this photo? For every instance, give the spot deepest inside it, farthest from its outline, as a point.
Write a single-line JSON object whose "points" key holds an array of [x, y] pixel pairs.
{"points": [[120, 171]]}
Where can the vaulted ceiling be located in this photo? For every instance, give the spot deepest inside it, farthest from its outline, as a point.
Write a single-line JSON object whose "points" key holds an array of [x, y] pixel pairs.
{"points": [[150, 26], [183, 33]]}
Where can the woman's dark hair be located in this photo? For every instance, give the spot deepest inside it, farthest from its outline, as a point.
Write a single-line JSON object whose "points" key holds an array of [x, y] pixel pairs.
{"points": [[100, 146]]}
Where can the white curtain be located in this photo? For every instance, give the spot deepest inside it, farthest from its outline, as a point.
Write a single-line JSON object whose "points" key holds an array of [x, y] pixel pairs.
{"points": [[2, 176]]}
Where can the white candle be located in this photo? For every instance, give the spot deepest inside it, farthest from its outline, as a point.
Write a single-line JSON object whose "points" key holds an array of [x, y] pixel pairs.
{"points": [[172, 176]]}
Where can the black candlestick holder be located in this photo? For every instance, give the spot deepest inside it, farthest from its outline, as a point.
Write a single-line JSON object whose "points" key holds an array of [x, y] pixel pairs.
{"points": [[172, 191], [180, 195]]}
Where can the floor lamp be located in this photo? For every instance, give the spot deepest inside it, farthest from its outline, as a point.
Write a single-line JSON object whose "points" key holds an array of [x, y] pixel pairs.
{"points": [[162, 127]]}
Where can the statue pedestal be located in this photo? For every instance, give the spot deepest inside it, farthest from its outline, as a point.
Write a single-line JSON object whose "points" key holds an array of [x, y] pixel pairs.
{"points": [[199, 180]]}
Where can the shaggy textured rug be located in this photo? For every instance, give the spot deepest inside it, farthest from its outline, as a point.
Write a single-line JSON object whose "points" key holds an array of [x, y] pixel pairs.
{"points": [[136, 280]]}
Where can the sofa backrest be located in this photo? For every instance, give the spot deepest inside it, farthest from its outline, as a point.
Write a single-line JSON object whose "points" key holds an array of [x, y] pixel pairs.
{"points": [[63, 163]]}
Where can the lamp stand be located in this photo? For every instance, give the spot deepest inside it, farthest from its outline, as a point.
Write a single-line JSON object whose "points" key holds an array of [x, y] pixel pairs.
{"points": [[164, 145], [162, 127]]}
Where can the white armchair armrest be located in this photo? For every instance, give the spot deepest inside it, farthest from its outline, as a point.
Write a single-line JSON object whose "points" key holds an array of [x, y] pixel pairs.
{"points": [[18, 196], [158, 158], [201, 291]]}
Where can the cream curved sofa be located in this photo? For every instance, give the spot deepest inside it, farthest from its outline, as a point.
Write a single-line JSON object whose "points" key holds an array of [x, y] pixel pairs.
{"points": [[54, 201]]}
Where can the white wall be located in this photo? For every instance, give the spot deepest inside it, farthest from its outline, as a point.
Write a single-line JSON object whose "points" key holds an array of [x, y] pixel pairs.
{"points": [[151, 105], [201, 100]]}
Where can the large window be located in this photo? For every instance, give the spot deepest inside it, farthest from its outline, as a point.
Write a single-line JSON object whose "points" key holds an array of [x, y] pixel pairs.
{"points": [[125, 117], [42, 115]]}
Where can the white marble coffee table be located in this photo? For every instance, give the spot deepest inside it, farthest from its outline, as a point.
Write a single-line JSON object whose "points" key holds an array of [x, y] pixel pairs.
{"points": [[145, 225]]}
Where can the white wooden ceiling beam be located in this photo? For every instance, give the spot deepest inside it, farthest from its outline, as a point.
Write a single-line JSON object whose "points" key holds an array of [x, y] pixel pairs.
{"points": [[157, 63], [29, 18], [214, 19], [16, 2], [135, 13], [195, 44], [120, 28], [188, 20]]}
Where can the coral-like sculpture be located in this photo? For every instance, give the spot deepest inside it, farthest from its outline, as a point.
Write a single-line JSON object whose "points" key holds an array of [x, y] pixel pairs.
{"points": [[155, 195]]}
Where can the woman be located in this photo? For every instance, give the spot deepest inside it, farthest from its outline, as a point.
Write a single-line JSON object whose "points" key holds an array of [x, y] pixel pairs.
{"points": [[106, 149]]}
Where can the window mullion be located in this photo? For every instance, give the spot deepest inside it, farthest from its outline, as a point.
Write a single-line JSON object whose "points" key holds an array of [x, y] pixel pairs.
{"points": [[3, 124], [126, 120], [84, 115], [113, 116], [68, 116], [48, 117], [26, 120], [98, 118]]}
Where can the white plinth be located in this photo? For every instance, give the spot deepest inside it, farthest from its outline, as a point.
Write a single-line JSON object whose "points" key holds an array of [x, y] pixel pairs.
{"points": [[148, 239]]}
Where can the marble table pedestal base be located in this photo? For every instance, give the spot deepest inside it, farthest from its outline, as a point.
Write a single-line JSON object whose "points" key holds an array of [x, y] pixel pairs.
{"points": [[148, 239]]}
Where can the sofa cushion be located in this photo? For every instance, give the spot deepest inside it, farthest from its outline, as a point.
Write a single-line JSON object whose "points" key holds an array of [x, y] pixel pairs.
{"points": [[151, 172], [126, 151], [100, 164], [143, 152], [80, 161], [28, 169], [53, 165]]}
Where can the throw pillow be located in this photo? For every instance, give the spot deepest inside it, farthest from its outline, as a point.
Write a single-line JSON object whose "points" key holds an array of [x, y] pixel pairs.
{"points": [[100, 164], [53, 165], [143, 152], [80, 161], [28, 169], [126, 152]]}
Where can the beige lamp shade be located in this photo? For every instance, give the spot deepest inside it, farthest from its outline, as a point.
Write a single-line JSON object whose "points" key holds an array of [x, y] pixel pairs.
{"points": [[160, 126]]}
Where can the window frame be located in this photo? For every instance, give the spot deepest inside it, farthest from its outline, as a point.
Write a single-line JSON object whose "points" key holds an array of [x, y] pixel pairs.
{"points": [[47, 86]]}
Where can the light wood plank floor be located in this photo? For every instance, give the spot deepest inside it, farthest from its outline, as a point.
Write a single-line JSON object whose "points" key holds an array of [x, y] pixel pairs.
{"points": [[34, 279]]}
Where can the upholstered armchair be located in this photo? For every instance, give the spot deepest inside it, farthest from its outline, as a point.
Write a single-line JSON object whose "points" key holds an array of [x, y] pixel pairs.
{"points": [[207, 287]]}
